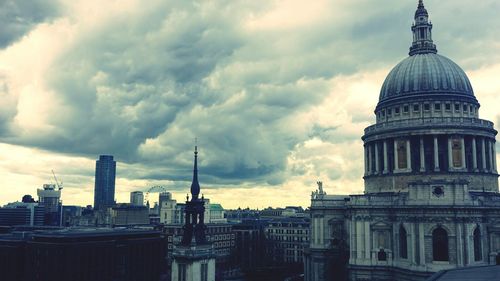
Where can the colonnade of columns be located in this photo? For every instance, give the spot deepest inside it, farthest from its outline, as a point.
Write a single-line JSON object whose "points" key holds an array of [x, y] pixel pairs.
{"points": [[378, 155]]}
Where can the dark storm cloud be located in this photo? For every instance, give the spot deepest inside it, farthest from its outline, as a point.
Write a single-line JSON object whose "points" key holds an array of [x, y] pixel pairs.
{"points": [[18, 17], [144, 87]]}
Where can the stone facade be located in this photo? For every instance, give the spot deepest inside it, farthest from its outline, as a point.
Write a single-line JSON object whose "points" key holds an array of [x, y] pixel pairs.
{"points": [[431, 198]]}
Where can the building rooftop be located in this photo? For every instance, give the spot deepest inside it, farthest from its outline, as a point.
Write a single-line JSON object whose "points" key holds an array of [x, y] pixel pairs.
{"points": [[216, 207], [482, 273]]}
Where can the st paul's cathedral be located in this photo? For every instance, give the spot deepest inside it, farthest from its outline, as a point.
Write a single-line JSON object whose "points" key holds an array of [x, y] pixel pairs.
{"points": [[431, 200]]}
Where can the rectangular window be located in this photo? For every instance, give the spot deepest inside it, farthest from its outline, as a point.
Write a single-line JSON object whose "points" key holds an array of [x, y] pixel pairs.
{"points": [[427, 107], [182, 272], [457, 107], [465, 108], [437, 106], [448, 107], [470, 109], [456, 148], [389, 112], [204, 272], [396, 110], [401, 154], [383, 113], [416, 107], [406, 109]]}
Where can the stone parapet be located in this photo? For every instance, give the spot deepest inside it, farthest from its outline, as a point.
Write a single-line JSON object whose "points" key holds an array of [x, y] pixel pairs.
{"points": [[431, 123]]}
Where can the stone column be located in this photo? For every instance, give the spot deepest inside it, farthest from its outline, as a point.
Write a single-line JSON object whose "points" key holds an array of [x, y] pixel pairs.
{"points": [[493, 146], [492, 157], [483, 154], [359, 240], [408, 155], [386, 160], [396, 166], [450, 156], [368, 250], [474, 155], [422, 155], [421, 243], [462, 143], [377, 165], [370, 161], [460, 246], [412, 257], [366, 160], [436, 154]]}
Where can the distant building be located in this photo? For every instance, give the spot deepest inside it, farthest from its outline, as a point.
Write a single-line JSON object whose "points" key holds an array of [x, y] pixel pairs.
{"points": [[71, 215], [240, 215], [164, 196], [272, 212], [127, 215], [250, 244], [49, 197], [286, 239], [172, 212], [137, 198], [82, 254], [19, 213], [104, 190]]}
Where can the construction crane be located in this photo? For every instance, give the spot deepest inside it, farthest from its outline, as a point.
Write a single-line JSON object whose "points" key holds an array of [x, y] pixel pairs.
{"points": [[59, 185], [154, 189]]}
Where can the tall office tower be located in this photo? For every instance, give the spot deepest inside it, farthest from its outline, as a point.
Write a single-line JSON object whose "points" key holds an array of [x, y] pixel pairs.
{"points": [[104, 190], [137, 198]]}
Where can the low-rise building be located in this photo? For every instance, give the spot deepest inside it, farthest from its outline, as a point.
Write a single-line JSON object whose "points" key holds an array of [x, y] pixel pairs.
{"points": [[82, 254], [126, 215], [286, 239], [20, 213]]}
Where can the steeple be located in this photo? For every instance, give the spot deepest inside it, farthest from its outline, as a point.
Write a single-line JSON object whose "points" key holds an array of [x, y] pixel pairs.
{"points": [[195, 185], [422, 32]]}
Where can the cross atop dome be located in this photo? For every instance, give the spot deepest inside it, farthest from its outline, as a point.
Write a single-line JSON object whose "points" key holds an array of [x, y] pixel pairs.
{"points": [[422, 32]]}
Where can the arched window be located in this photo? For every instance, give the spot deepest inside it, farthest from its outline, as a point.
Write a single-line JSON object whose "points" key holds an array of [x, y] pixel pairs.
{"points": [[440, 244], [477, 245], [403, 243]]}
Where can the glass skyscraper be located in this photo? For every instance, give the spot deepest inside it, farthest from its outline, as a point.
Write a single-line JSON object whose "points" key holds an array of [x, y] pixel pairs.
{"points": [[104, 191]]}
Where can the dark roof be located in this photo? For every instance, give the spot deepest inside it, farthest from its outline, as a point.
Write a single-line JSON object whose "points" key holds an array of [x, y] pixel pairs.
{"points": [[481, 273]]}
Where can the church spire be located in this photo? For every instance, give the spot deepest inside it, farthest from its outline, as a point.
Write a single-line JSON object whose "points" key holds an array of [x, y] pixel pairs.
{"points": [[422, 32], [195, 185]]}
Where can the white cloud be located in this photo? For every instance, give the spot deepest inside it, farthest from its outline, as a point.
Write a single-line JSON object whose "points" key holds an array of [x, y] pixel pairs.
{"points": [[278, 92]]}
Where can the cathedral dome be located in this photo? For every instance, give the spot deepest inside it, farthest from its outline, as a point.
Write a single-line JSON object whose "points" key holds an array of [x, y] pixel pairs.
{"points": [[425, 74]]}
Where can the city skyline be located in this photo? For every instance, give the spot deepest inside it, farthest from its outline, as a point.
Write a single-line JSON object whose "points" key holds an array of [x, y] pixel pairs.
{"points": [[249, 80]]}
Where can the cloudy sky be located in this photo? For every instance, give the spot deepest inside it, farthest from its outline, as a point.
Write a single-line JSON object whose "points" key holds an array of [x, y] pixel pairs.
{"points": [[276, 91]]}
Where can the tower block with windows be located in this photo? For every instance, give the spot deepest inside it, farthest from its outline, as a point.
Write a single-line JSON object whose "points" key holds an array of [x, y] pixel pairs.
{"points": [[431, 200], [193, 258]]}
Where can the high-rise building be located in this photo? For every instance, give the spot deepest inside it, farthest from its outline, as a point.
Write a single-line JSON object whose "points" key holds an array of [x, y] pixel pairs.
{"points": [[104, 190], [137, 198], [431, 200]]}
